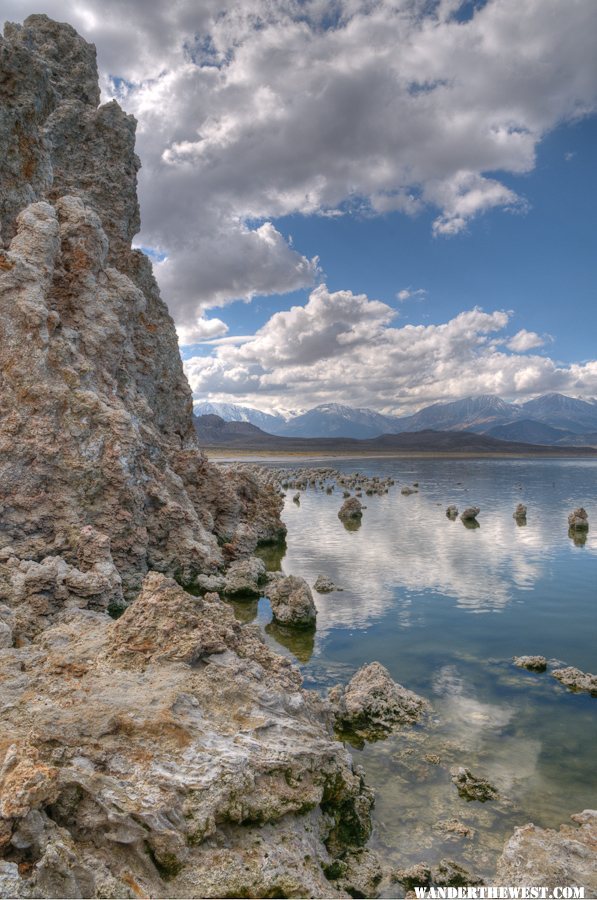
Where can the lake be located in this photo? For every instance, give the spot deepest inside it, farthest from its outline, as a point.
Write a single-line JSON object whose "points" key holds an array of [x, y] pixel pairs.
{"points": [[445, 608]]}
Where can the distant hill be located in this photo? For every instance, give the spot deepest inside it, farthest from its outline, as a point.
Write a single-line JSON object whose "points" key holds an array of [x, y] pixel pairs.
{"points": [[546, 420], [214, 433]]}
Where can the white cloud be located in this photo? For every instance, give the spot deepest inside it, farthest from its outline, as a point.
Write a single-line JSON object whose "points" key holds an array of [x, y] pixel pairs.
{"points": [[253, 110], [344, 347], [411, 294], [202, 329], [525, 340]]}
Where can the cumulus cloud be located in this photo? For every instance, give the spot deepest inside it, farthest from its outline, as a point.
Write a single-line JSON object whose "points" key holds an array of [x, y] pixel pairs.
{"points": [[347, 348], [525, 340], [253, 110]]}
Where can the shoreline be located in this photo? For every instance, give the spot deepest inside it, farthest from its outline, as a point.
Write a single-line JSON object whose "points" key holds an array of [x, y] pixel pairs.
{"points": [[231, 455]]}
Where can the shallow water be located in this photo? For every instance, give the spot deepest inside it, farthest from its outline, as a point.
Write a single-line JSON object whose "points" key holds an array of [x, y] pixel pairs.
{"points": [[445, 608]]}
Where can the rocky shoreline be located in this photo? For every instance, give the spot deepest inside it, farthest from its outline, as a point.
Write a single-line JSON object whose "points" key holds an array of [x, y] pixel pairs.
{"points": [[151, 745]]}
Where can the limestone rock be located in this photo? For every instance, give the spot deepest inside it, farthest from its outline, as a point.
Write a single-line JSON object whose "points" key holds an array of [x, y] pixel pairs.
{"points": [[372, 704], [577, 680], [292, 602], [520, 513], [149, 733], [325, 585], [244, 579], [578, 520], [543, 857], [351, 510], [533, 663], [470, 787], [470, 514]]}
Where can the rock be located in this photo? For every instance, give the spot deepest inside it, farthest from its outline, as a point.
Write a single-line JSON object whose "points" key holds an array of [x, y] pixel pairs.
{"points": [[446, 873], [358, 874], [245, 578], [533, 663], [452, 512], [99, 402], [215, 583], [577, 680], [296, 498], [170, 748], [520, 513], [372, 704], [543, 857], [351, 510], [470, 514], [472, 788], [408, 490], [325, 585], [150, 733], [292, 602], [454, 828], [578, 520]]}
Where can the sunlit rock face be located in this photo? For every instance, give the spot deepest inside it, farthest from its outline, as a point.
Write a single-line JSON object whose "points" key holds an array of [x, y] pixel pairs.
{"points": [[96, 415], [167, 751]]}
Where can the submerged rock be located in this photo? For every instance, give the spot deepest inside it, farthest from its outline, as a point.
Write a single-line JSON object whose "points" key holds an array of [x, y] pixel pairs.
{"points": [[372, 704], [292, 602], [543, 857], [576, 680], [472, 788], [351, 510], [446, 873], [533, 663], [325, 585]]}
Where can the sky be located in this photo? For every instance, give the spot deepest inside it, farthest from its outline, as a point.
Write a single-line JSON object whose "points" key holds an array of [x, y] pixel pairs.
{"points": [[383, 203]]}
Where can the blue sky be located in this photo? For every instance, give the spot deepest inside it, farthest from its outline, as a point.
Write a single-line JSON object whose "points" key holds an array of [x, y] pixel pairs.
{"points": [[540, 263], [384, 203]]}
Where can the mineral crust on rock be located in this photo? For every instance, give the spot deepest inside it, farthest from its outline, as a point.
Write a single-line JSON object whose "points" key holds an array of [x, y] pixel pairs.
{"points": [[167, 752], [578, 520], [372, 704], [292, 602], [96, 412], [351, 510], [532, 663], [543, 857], [576, 680]]}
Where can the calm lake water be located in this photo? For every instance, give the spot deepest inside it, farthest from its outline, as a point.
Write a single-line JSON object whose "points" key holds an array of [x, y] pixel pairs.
{"points": [[445, 608]]}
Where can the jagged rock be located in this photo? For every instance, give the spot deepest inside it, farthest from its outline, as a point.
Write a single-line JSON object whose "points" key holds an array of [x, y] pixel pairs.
{"points": [[40, 592], [292, 602], [215, 583], [96, 424], [452, 512], [543, 857], [351, 510], [446, 873], [325, 585], [533, 663], [470, 787], [245, 578], [578, 520], [151, 730], [145, 756], [577, 680], [470, 514], [520, 513], [372, 704]]}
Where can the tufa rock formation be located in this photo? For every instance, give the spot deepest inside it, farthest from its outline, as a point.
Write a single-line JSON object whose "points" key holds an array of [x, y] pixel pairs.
{"points": [[96, 412], [168, 752]]}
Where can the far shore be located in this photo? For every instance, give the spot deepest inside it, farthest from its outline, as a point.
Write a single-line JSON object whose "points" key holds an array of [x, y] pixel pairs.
{"points": [[223, 455]]}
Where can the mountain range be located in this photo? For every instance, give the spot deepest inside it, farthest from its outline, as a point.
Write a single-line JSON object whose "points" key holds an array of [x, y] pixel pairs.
{"points": [[553, 419]]}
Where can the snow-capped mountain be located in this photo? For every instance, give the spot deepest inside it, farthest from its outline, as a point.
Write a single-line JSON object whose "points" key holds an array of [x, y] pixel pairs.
{"points": [[487, 413], [231, 412], [335, 420]]}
